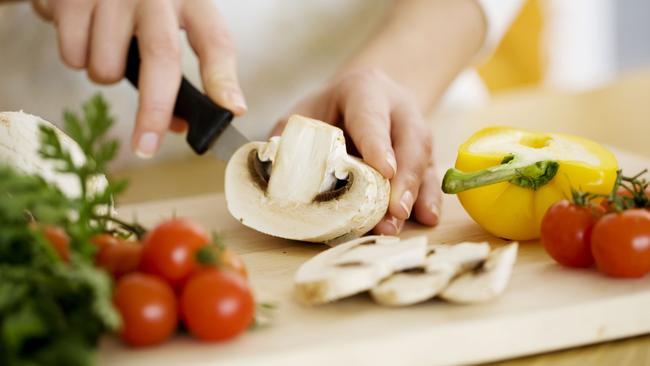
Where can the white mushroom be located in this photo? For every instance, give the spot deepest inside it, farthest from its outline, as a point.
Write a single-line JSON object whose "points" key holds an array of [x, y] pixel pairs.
{"points": [[486, 281], [356, 266], [304, 186], [420, 284], [19, 144]]}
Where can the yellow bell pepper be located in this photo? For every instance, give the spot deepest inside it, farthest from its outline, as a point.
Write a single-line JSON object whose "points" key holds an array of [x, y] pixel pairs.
{"points": [[507, 178]]}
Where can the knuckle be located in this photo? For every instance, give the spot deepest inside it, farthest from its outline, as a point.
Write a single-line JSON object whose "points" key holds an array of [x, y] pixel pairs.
{"points": [[163, 46], [156, 112], [220, 38], [409, 178]]}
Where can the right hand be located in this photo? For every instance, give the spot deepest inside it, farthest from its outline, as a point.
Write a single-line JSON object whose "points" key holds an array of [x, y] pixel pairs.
{"points": [[95, 35]]}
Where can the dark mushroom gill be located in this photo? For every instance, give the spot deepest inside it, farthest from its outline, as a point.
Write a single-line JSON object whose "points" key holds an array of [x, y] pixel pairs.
{"points": [[259, 170]]}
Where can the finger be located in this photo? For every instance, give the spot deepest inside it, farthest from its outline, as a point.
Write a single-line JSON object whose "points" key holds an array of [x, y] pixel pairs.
{"points": [[318, 106], [210, 40], [427, 206], [178, 125], [367, 120], [43, 8], [278, 128], [160, 73], [412, 143], [389, 225], [111, 33], [72, 20]]}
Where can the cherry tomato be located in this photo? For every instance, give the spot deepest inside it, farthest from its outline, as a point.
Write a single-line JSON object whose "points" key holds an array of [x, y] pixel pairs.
{"points": [[148, 308], [620, 243], [217, 304], [566, 233], [116, 255], [59, 241], [221, 257], [169, 250]]}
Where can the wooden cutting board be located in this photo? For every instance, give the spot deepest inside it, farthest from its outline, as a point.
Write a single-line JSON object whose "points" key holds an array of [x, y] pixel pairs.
{"points": [[546, 307]]}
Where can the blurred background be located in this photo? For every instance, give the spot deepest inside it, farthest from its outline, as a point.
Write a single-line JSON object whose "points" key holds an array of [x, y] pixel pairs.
{"points": [[287, 49]]}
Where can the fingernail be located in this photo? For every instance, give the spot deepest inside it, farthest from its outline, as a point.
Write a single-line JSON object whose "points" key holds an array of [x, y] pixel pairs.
{"points": [[147, 145], [236, 100], [395, 224], [406, 202], [435, 211], [390, 159]]}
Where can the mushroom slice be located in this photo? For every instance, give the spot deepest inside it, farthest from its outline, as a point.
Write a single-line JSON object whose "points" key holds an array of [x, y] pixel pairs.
{"points": [[304, 186], [356, 266], [420, 284], [486, 281], [20, 141]]}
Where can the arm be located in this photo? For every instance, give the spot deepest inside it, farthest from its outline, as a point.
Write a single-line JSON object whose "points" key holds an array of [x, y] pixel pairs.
{"points": [[423, 45]]}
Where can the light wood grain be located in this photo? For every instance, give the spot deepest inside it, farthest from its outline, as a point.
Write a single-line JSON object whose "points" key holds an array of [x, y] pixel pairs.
{"points": [[546, 307]]}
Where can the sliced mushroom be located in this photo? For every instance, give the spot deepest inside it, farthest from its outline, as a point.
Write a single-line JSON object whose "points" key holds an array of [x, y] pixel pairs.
{"points": [[304, 186], [486, 281], [356, 266], [20, 142], [443, 263]]}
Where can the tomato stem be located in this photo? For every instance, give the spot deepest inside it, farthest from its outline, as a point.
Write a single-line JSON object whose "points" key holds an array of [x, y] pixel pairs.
{"points": [[526, 175], [134, 228]]}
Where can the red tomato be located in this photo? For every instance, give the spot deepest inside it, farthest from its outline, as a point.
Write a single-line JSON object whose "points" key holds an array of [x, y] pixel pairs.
{"points": [[59, 241], [169, 250], [148, 308], [116, 255], [566, 232], [620, 243], [217, 305], [221, 257]]}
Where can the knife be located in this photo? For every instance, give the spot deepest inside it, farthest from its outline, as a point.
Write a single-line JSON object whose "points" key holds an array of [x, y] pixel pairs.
{"points": [[208, 125]]}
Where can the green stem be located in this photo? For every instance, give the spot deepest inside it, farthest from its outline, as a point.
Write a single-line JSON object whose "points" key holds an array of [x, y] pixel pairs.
{"points": [[530, 176], [138, 230]]}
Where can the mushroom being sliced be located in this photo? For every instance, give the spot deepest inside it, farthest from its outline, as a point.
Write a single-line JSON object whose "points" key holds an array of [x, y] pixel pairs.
{"points": [[486, 281], [356, 266], [19, 145], [304, 186], [420, 284]]}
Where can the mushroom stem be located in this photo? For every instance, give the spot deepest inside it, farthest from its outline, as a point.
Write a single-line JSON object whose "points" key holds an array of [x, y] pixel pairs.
{"points": [[303, 166]]}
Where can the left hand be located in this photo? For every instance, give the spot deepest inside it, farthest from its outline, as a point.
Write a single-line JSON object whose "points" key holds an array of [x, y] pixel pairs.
{"points": [[389, 131]]}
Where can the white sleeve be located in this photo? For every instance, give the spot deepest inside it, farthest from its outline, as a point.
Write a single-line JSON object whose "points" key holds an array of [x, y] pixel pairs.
{"points": [[499, 14]]}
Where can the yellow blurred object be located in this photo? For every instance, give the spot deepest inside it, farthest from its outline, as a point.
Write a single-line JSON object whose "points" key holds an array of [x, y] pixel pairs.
{"points": [[518, 59], [507, 178]]}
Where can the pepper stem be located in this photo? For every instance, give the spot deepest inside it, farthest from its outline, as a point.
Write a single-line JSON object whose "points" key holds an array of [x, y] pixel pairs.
{"points": [[530, 176]]}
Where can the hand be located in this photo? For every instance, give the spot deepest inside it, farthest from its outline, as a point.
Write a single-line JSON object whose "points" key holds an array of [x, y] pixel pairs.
{"points": [[389, 131], [95, 35]]}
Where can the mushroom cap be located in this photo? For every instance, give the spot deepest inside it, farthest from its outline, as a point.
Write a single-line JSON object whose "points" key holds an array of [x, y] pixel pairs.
{"points": [[19, 145], [442, 264], [485, 282], [299, 215], [356, 266]]}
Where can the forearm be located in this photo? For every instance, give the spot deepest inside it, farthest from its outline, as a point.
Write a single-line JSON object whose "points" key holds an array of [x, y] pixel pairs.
{"points": [[423, 45]]}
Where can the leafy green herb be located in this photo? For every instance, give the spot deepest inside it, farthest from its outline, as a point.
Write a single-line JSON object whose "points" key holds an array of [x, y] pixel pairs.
{"points": [[53, 312]]}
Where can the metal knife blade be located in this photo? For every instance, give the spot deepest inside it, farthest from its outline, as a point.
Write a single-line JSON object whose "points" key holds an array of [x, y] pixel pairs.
{"points": [[228, 142], [209, 125]]}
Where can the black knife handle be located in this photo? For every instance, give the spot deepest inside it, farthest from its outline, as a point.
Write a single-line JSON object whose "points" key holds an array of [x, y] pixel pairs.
{"points": [[205, 119]]}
